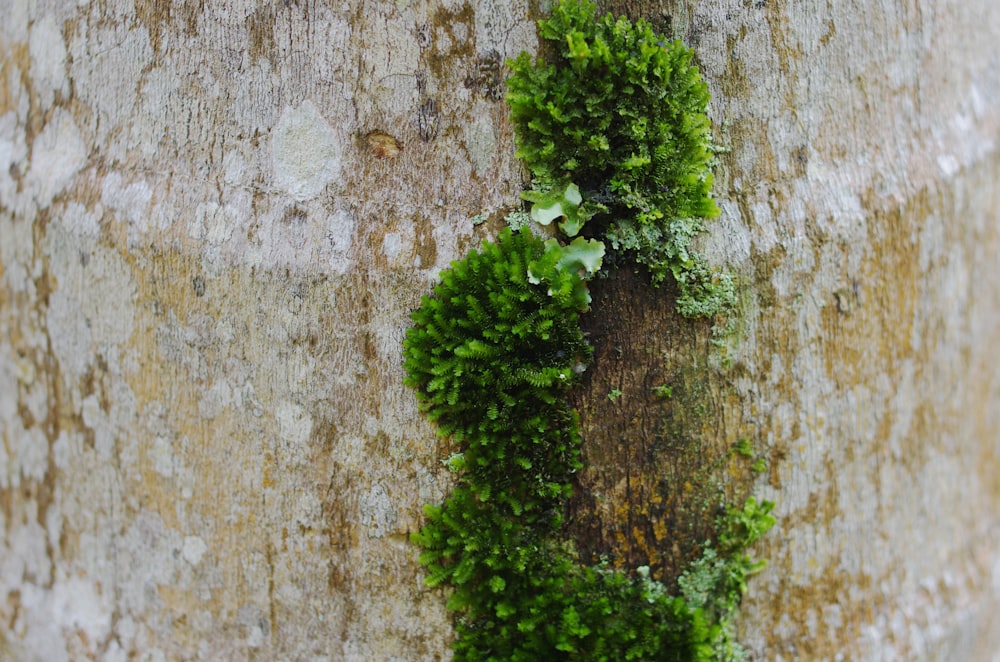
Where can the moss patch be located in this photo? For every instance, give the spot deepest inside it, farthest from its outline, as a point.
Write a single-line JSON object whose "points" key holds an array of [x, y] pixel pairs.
{"points": [[493, 354], [618, 111]]}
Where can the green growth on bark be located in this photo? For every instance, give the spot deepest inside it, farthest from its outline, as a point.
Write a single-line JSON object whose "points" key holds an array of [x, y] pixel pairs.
{"points": [[614, 130], [617, 115]]}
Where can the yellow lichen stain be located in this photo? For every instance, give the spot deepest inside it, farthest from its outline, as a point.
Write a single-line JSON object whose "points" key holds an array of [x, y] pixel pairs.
{"points": [[181, 602], [19, 56], [883, 327], [267, 481], [382, 145], [794, 600]]}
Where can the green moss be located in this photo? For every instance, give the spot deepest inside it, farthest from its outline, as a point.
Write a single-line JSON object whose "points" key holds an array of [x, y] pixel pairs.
{"points": [[664, 391], [492, 353], [618, 113], [716, 582], [491, 356]]}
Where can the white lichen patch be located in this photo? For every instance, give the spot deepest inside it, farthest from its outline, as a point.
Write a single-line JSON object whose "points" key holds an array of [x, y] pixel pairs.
{"points": [[276, 233], [61, 450], [194, 549], [24, 555], [160, 110], [80, 604], [376, 512], [48, 59], [307, 151], [106, 65], [99, 422], [215, 399], [309, 511], [16, 253], [70, 333], [212, 223], [161, 454], [340, 228], [294, 423], [151, 556], [388, 59], [393, 244], [31, 454], [13, 151], [501, 28], [57, 154], [398, 245], [15, 24], [129, 199], [77, 221], [234, 167], [92, 302], [481, 142]]}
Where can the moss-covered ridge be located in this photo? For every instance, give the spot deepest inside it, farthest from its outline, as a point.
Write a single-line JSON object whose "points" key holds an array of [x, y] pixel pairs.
{"points": [[492, 353], [491, 356]]}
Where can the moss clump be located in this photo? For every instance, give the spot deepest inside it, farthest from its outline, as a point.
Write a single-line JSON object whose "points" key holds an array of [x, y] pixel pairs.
{"points": [[492, 353], [491, 356], [619, 111]]}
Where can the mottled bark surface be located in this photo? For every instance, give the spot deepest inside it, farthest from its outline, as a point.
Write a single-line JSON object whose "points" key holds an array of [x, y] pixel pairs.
{"points": [[659, 461], [215, 217]]}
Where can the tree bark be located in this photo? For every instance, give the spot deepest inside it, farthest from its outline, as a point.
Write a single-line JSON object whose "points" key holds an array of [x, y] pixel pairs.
{"points": [[216, 217]]}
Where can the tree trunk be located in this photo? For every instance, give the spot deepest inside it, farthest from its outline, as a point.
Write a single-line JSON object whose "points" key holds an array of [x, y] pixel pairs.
{"points": [[216, 217]]}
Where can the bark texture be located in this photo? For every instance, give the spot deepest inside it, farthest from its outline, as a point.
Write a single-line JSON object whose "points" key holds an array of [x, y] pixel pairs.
{"points": [[216, 216]]}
